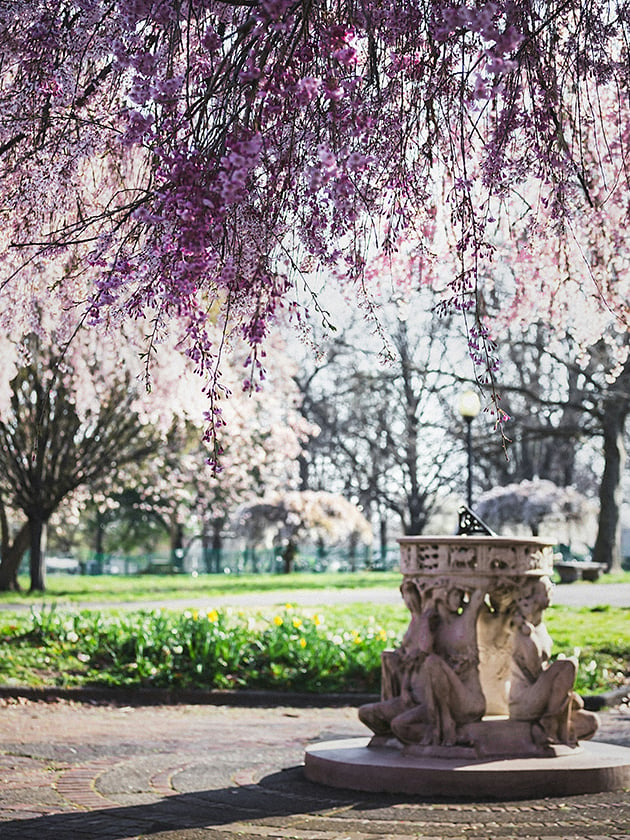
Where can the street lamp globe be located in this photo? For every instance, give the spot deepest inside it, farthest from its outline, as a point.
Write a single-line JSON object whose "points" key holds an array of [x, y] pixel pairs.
{"points": [[469, 405]]}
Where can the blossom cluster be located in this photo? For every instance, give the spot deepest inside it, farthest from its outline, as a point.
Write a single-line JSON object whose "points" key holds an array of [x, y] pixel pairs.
{"points": [[484, 21]]}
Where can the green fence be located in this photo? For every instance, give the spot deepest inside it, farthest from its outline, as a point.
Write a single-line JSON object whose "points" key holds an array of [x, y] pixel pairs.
{"points": [[227, 561]]}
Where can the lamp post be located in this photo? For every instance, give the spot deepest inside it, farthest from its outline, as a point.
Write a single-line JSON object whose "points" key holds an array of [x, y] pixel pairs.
{"points": [[469, 408]]}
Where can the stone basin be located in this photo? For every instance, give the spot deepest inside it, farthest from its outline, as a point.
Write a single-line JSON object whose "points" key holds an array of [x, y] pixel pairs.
{"points": [[481, 555]]}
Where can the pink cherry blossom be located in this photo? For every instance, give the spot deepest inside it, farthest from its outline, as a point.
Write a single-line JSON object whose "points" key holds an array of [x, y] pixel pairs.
{"points": [[182, 161]]}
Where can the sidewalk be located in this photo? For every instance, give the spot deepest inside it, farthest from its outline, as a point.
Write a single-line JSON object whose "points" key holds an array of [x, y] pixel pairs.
{"points": [[72, 771], [570, 595]]}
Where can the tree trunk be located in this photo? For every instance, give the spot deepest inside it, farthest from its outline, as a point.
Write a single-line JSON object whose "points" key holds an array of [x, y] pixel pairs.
{"points": [[252, 557], [288, 556], [382, 535], [303, 471], [37, 530], [352, 551], [99, 544], [177, 545], [12, 553], [206, 553], [217, 546], [607, 548], [417, 515]]}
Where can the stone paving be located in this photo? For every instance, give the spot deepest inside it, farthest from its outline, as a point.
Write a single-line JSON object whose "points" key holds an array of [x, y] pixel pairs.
{"points": [[80, 771]]}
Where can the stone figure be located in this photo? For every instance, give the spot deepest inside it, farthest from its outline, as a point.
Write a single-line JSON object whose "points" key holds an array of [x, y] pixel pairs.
{"points": [[472, 676], [439, 681], [394, 663], [540, 691], [400, 668]]}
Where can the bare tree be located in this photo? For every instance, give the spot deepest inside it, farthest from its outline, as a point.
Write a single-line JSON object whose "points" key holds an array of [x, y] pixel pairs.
{"points": [[387, 431], [560, 405]]}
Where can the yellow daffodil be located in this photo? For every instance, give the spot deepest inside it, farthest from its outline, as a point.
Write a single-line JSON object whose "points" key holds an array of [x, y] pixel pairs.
{"points": [[213, 616], [278, 621]]}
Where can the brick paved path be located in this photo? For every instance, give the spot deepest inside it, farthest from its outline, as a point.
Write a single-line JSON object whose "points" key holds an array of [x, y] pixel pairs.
{"points": [[71, 771]]}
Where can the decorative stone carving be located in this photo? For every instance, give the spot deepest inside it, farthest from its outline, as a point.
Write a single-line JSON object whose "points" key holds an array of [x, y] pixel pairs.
{"points": [[481, 555], [472, 675], [436, 669], [495, 637], [542, 692]]}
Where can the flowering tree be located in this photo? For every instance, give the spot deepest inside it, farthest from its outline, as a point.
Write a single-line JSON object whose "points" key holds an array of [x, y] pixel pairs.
{"points": [[530, 502], [288, 518], [74, 410], [260, 444], [175, 491], [199, 152], [67, 425]]}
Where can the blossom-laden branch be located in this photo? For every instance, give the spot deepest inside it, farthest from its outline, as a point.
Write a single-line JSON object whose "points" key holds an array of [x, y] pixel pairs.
{"points": [[194, 153]]}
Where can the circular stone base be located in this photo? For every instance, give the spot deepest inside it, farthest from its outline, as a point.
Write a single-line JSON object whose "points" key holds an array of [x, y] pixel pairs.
{"points": [[590, 768]]}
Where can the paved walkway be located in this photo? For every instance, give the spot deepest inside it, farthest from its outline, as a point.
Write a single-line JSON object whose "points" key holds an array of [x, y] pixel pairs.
{"points": [[72, 771], [572, 595]]}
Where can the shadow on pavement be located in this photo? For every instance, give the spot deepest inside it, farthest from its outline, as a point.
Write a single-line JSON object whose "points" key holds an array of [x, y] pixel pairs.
{"points": [[276, 799], [271, 798]]}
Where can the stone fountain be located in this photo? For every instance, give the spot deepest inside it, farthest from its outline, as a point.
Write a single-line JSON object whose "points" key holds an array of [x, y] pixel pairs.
{"points": [[471, 703]]}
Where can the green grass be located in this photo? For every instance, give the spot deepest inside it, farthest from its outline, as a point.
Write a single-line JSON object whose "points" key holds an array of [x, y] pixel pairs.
{"points": [[614, 577], [60, 643], [599, 637], [138, 588], [284, 649], [131, 588], [334, 648]]}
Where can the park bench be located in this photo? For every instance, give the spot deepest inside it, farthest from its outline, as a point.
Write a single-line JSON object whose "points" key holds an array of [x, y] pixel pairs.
{"points": [[572, 570]]}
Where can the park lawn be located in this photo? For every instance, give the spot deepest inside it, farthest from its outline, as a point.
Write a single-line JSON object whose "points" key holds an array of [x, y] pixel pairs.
{"points": [[137, 588], [132, 588], [324, 649]]}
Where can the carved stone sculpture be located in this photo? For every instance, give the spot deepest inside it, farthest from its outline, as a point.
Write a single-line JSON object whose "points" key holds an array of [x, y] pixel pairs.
{"points": [[540, 691], [436, 670], [472, 676]]}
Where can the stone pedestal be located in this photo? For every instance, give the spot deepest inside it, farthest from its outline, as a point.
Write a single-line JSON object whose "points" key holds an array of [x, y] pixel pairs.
{"points": [[352, 765], [472, 682]]}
